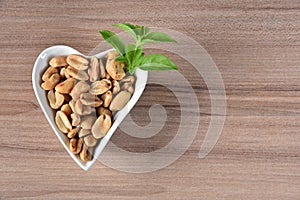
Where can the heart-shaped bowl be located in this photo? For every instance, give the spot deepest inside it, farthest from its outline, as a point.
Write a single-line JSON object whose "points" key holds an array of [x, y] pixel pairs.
{"points": [[40, 66]]}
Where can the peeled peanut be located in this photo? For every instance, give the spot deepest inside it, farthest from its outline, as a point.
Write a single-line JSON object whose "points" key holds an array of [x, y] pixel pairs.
{"points": [[58, 61], [75, 119], [77, 74], [106, 97], [49, 72], [111, 56], [103, 111], [82, 109], [119, 101], [79, 145], [116, 70], [90, 100], [87, 122], [94, 69], [100, 87], [128, 87], [90, 141], [129, 79], [78, 108], [72, 105], [62, 122], [66, 86], [107, 76], [85, 155], [101, 126], [84, 132], [76, 145], [73, 145], [51, 82], [72, 133], [55, 99], [66, 109], [78, 62], [102, 69], [79, 88], [62, 73], [115, 87]]}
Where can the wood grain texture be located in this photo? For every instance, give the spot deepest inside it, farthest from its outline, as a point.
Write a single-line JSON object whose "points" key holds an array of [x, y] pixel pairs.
{"points": [[255, 44]]}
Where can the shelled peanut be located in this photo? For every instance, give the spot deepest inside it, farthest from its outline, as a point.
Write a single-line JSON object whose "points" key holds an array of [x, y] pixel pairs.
{"points": [[85, 94]]}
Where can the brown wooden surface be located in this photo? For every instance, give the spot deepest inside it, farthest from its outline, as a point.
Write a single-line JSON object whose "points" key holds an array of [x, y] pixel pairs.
{"points": [[256, 46]]}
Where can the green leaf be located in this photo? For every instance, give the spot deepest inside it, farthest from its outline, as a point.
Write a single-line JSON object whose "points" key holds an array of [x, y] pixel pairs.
{"points": [[135, 30], [156, 62], [145, 30], [132, 70], [127, 27], [113, 40], [158, 37], [130, 51], [133, 53], [121, 59], [137, 55], [132, 26]]}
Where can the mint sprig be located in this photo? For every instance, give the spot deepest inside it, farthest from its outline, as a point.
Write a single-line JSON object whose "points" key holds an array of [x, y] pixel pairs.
{"points": [[132, 54]]}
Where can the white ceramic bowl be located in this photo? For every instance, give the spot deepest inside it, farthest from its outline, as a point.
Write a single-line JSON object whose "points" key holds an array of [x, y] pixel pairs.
{"points": [[40, 66]]}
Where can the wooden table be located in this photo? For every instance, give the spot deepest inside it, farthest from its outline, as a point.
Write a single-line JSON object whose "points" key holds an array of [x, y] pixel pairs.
{"points": [[256, 46]]}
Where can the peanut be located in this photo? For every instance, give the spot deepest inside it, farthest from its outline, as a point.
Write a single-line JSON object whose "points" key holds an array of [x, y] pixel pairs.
{"points": [[100, 87], [78, 89], [90, 141], [77, 61], [76, 145], [49, 72], [129, 79], [66, 109], [85, 155], [62, 73], [90, 100], [87, 122], [58, 61], [75, 119], [111, 56], [77, 74], [102, 111], [72, 133], [106, 97], [84, 132], [82, 109], [62, 122], [73, 145], [72, 105], [51, 82], [101, 126], [66, 86], [102, 69], [119, 101], [94, 69], [55, 99], [115, 87], [128, 87], [116, 69]]}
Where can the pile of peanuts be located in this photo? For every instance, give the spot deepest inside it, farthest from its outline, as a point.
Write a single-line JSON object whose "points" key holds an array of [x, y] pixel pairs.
{"points": [[85, 94]]}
